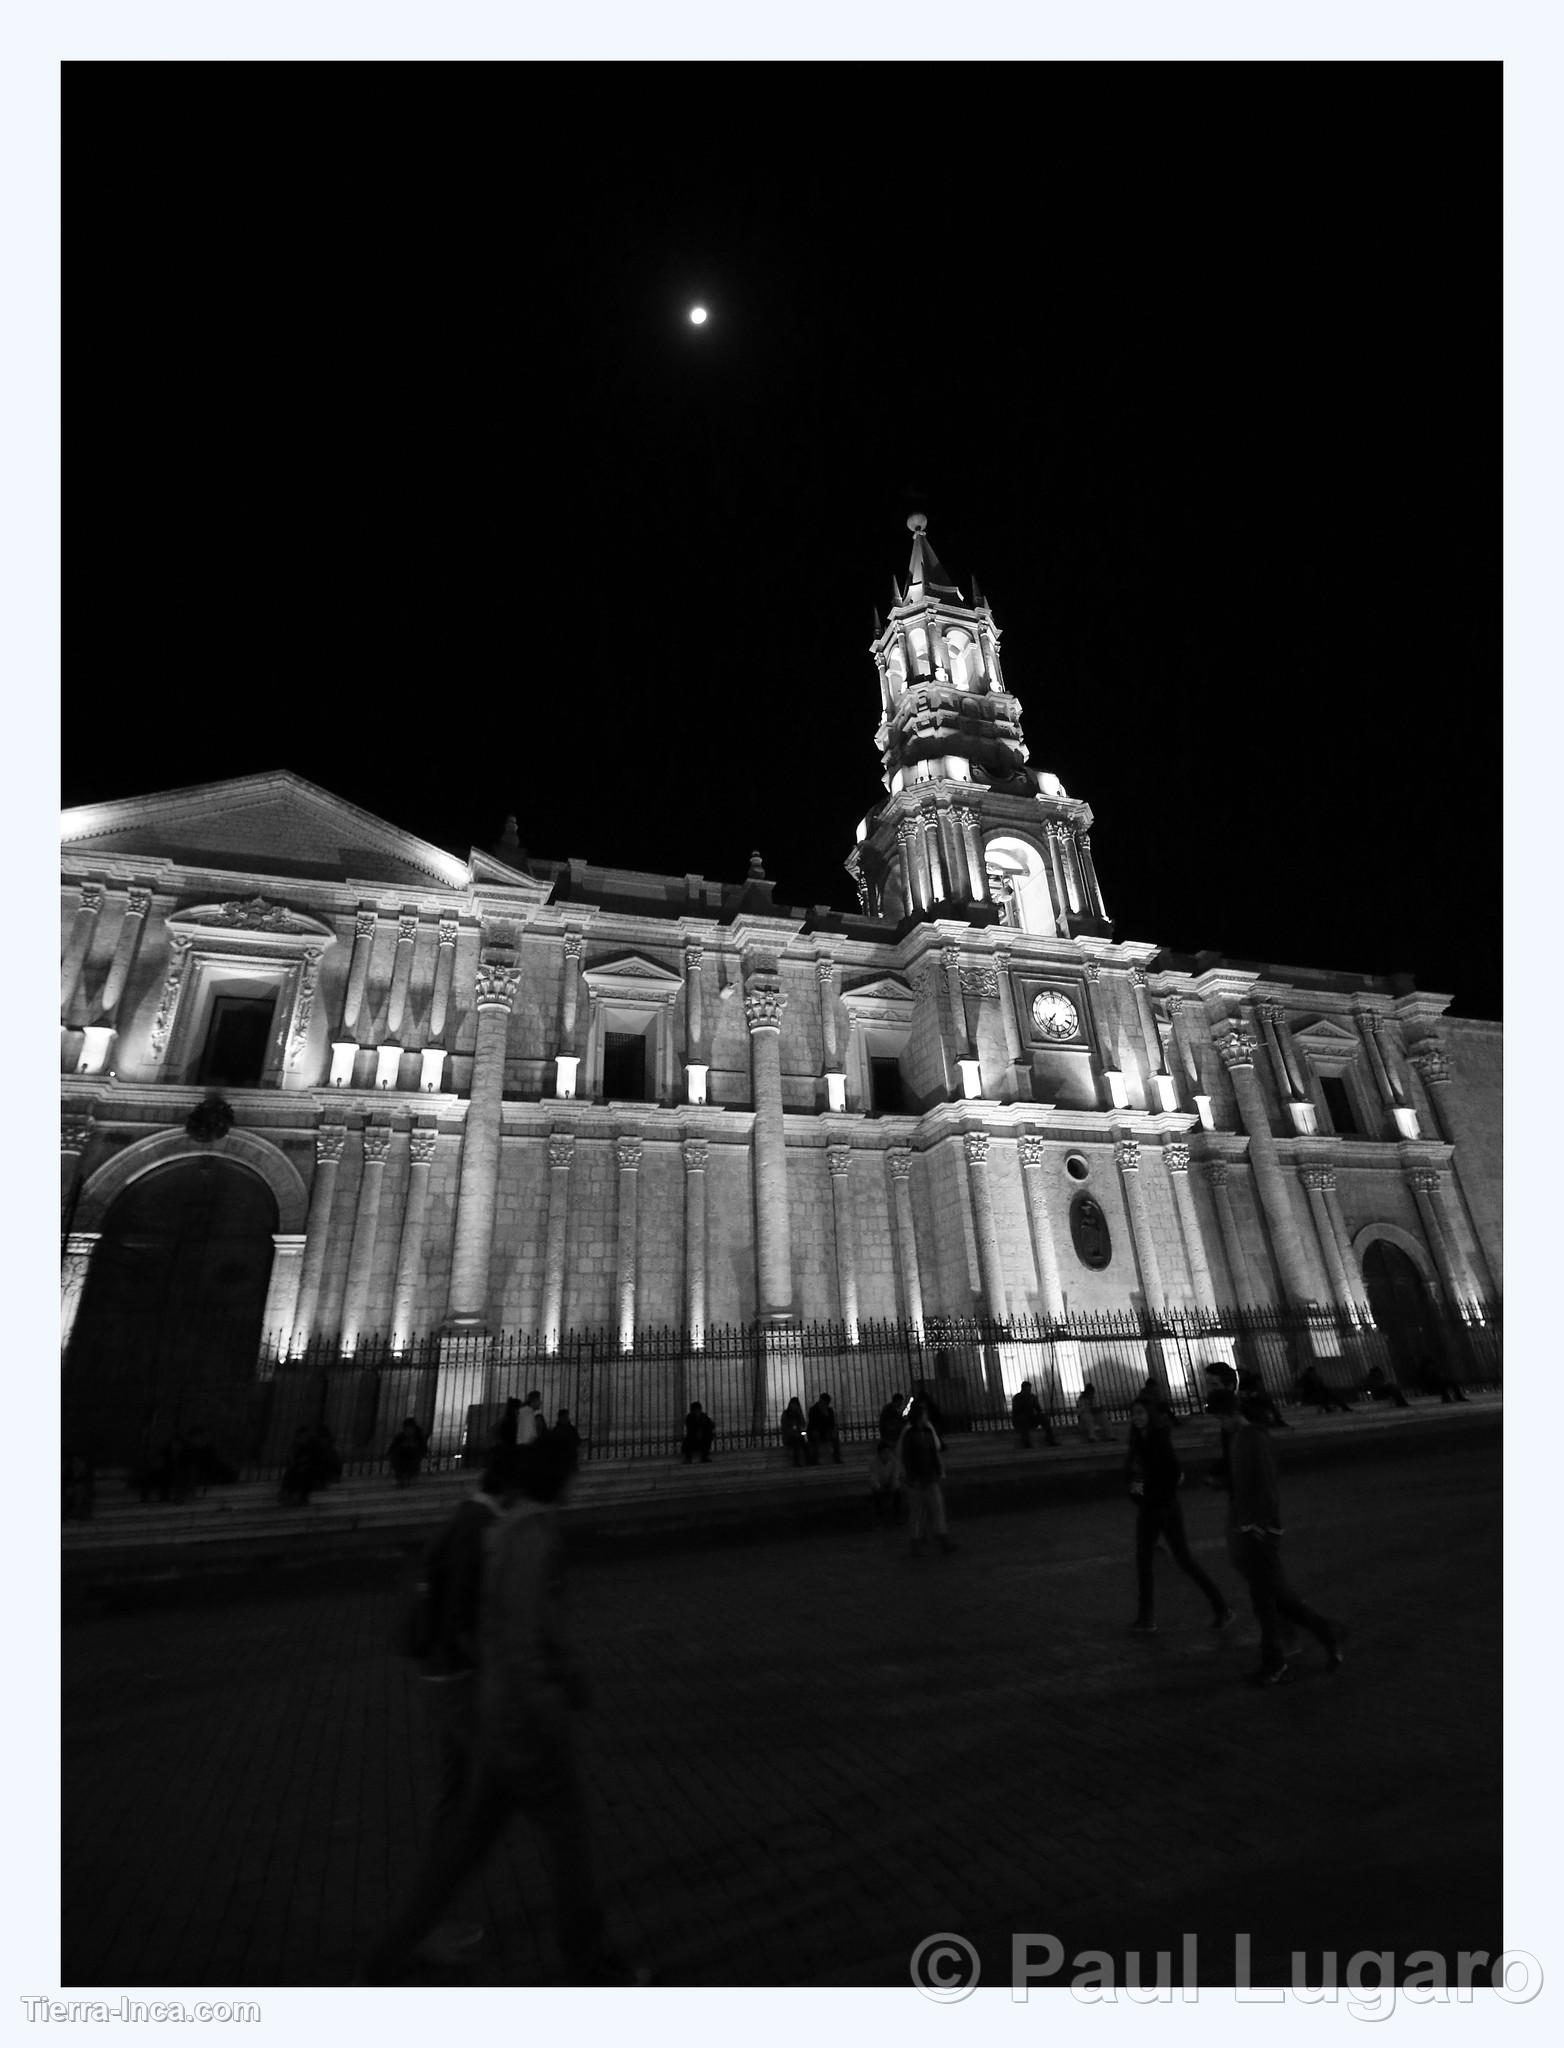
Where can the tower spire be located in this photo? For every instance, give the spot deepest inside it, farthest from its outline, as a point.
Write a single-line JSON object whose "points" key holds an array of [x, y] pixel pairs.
{"points": [[926, 575]]}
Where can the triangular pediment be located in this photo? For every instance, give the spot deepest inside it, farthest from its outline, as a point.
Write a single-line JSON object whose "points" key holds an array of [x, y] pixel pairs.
{"points": [[273, 824], [886, 989], [631, 967], [1325, 1031]]}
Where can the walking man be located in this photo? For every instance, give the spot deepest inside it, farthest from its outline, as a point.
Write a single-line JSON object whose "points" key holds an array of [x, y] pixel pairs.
{"points": [[1155, 1476], [1254, 1525], [920, 1454]]}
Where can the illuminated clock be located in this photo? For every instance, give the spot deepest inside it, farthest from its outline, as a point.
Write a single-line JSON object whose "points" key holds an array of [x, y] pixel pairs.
{"points": [[1054, 1015]]}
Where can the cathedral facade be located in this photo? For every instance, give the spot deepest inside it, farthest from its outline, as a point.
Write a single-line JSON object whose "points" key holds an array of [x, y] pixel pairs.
{"points": [[322, 1080]]}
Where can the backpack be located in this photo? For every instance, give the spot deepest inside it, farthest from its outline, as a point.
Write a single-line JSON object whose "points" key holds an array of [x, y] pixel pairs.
{"points": [[919, 1454], [442, 1611]]}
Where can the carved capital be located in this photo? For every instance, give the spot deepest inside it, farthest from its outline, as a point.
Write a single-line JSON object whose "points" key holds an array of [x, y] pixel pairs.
{"points": [[75, 1131], [377, 1145], [448, 931], [496, 984], [1320, 1178], [561, 1150], [1031, 1151], [1175, 1157], [329, 1141], [1084, 841], [1093, 970], [1272, 1014], [905, 829], [1432, 1062], [91, 898], [1371, 1020], [421, 1145], [839, 1159], [629, 1151], [406, 930], [900, 1164], [1173, 1004], [696, 1153], [1126, 1155], [574, 941], [138, 902], [364, 924], [1425, 1181], [1136, 977], [1216, 1172], [950, 959], [763, 1006], [976, 1143], [824, 969], [1236, 1047], [693, 956], [967, 817]]}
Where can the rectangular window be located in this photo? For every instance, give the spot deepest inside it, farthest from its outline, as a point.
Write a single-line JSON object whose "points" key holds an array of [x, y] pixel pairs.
{"points": [[624, 1066], [237, 1036], [887, 1096], [1339, 1102]]}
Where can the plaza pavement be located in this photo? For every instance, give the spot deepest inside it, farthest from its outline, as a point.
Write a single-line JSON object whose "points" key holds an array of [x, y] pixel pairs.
{"points": [[807, 1753]]}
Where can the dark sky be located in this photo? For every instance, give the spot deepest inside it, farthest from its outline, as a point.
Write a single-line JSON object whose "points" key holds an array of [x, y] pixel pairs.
{"points": [[390, 457]]}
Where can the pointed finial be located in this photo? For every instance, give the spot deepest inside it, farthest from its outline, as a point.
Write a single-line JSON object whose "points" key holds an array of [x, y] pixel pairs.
{"points": [[977, 593], [757, 872], [878, 628], [917, 522], [896, 596]]}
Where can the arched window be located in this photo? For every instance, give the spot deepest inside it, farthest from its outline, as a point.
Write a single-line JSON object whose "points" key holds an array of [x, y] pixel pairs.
{"points": [[966, 664], [1018, 883]]}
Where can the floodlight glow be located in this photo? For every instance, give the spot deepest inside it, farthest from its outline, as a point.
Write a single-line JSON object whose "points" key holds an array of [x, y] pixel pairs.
{"points": [[697, 316]]}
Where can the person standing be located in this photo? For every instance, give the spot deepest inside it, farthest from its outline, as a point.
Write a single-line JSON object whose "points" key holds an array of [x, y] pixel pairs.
{"points": [[822, 1430], [1089, 1415], [892, 1417], [1254, 1522], [921, 1456], [699, 1433], [1027, 1414], [1154, 1475]]}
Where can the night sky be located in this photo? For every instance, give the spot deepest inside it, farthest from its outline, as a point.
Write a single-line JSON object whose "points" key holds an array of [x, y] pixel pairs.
{"points": [[391, 457]]}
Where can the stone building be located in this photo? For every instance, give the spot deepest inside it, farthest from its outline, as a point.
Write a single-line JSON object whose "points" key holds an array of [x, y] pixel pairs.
{"points": [[322, 1078]]}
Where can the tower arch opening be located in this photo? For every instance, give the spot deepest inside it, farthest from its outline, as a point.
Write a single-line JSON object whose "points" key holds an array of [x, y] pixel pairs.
{"points": [[1018, 883]]}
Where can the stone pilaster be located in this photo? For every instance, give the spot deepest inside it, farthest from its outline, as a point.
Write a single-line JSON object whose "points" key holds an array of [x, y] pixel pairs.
{"points": [[366, 1221], [410, 1245], [280, 1316], [1126, 1157], [825, 982], [1151, 1037], [900, 1168], [330, 1141], [960, 1036], [79, 1248], [84, 923], [694, 1012], [561, 1151], [1432, 1194], [1290, 1083], [839, 1161], [966, 818], [1318, 1180], [75, 1136], [928, 824], [444, 974], [401, 975], [364, 927], [1175, 1156], [1237, 1050], [306, 979], [1083, 847], [1370, 1023], [1232, 1238], [696, 1151], [629, 1152], [179, 945], [904, 836], [137, 903], [474, 1236], [764, 1003], [1044, 1250], [1051, 834], [996, 1302]]}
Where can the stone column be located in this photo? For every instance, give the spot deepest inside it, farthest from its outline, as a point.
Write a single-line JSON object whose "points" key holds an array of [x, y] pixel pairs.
{"points": [[401, 975], [1083, 846], [904, 857], [445, 969], [1237, 1049], [966, 817], [1015, 1051], [1343, 1236], [1317, 1179], [137, 903], [1427, 1187], [1284, 1054], [329, 1142], [75, 1136], [1232, 1238], [764, 1003], [695, 1157], [694, 1019], [1175, 1157], [364, 925], [995, 1301], [1126, 1157], [961, 1037], [410, 1246], [900, 1165], [629, 1150], [561, 1151], [1370, 1023], [280, 1314], [928, 824], [839, 1160], [79, 1248], [77, 946], [1051, 832], [825, 975], [1174, 1005], [1044, 1250], [179, 945], [570, 990], [474, 1236], [1150, 1035], [361, 1257]]}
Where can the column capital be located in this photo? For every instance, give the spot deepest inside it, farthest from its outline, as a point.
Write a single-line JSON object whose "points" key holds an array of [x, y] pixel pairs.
{"points": [[693, 956], [1173, 1003], [448, 930], [696, 1153], [976, 1143], [1137, 977], [905, 828], [1425, 1180], [138, 902], [900, 1164], [407, 929], [75, 1131], [1216, 1172], [629, 1151], [91, 897], [1236, 1047], [839, 1158], [561, 1149], [763, 1006], [1092, 969], [496, 984], [1272, 1013], [421, 1144], [574, 941], [1372, 1020], [79, 1243], [1083, 839], [364, 923], [1031, 1151], [329, 1143], [1432, 1063], [1126, 1155], [1322, 1178], [824, 969], [377, 1144], [950, 959], [1175, 1156]]}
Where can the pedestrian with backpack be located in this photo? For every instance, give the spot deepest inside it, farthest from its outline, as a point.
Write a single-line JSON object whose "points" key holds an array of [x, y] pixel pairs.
{"points": [[920, 1455]]}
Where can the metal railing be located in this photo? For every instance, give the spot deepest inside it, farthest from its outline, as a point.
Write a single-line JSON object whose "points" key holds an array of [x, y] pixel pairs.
{"points": [[631, 1402]]}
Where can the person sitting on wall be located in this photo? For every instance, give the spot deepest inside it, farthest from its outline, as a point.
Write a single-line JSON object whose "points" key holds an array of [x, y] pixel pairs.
{"points": [[822, 1431], [699, 1434], [1380, 1388], [1262, 1401], [1318, 1394], [405, 1452], [795, 1433]]}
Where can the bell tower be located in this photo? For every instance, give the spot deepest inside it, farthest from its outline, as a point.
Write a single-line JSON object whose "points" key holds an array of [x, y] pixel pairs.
{"points": [[967, 828]]}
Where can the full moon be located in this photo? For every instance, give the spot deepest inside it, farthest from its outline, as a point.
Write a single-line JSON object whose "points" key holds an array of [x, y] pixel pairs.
{"points": [[697, 316]]}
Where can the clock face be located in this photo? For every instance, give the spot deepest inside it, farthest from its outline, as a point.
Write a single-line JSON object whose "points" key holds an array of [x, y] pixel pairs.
{"points": [[1054, 1015]]}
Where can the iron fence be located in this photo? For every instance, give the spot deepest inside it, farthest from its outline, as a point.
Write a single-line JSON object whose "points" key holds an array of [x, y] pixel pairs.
{"points": [[631, 1402]]}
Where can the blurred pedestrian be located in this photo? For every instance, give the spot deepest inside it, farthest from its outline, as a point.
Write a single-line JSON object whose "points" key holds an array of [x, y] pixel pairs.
{"points": [[885, 1494], [1318, 1394], [1088, 1414], [892, 1416], [921, 1456], [569, 1437], [1027, 1414], [1154, 1476], [795, 1432], [405, 1452], [1252, 1388], [822, 1430], [699, 1433]]}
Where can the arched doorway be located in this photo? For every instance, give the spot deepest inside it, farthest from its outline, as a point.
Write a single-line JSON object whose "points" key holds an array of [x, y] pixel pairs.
{"points": [[1398, 1295], [169, 1328]]}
